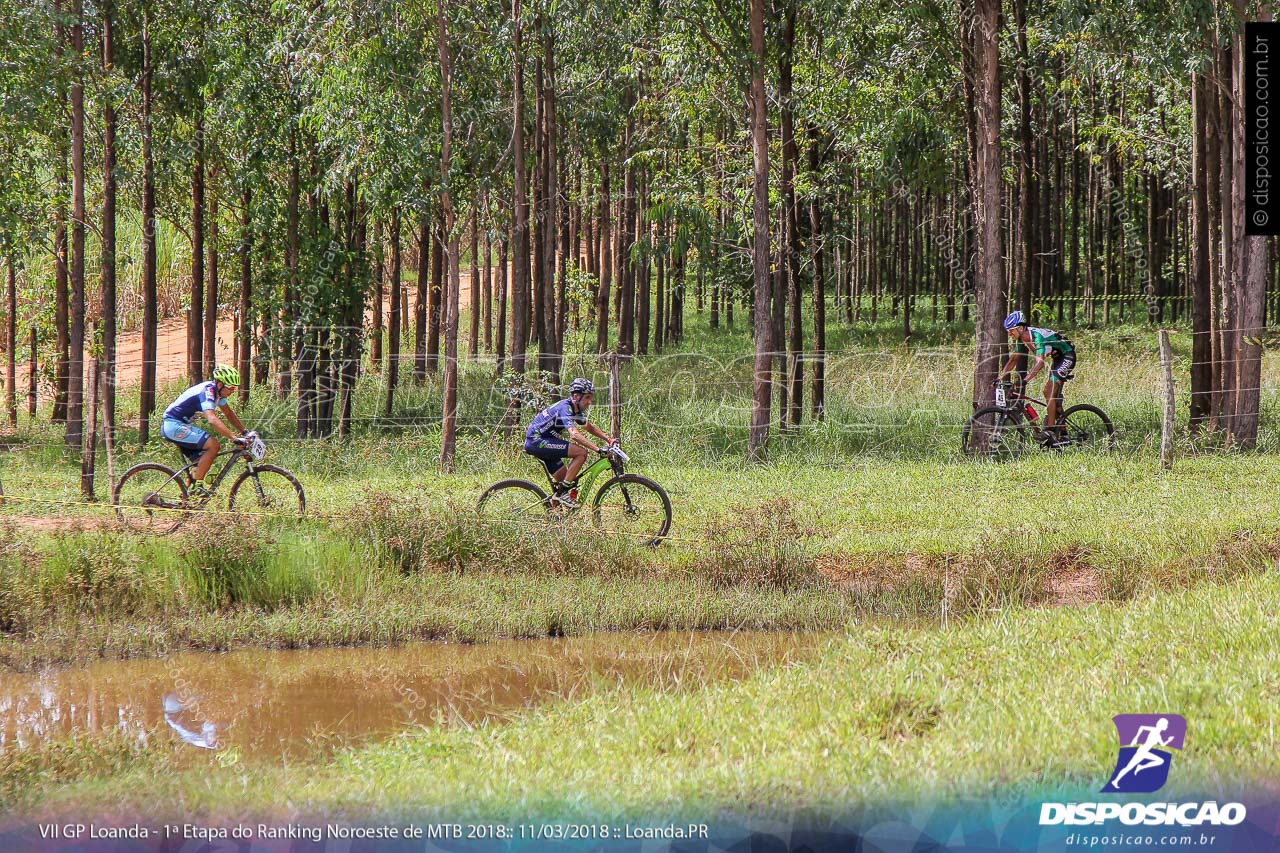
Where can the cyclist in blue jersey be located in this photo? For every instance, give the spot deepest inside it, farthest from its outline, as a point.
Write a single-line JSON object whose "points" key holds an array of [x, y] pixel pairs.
{"points": [[207, 399], [554, 435]]}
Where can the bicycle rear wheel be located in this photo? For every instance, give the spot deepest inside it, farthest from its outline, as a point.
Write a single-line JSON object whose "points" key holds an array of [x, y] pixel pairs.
{"points": [[633, 506], [1089, 427], [517, 502], [269, 490], [995, 433], [150, 498]]}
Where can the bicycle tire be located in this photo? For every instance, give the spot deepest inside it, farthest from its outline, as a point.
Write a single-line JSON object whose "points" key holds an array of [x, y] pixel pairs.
{"points": [[621, 482], [523, 509], [247, 475], [1109, 441], [1005, 421], [169, 520]]}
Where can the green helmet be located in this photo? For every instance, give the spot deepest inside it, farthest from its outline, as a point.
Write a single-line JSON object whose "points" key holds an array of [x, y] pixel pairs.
{"points": [[227, 375]]}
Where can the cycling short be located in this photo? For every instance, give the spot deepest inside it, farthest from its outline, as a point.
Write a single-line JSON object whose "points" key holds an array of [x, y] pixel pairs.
{"points": [[1062, 366], [189, 438], [550, 450]]}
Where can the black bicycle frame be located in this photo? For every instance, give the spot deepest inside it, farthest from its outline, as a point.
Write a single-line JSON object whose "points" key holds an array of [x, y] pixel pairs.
{"points": [[233, 454]]}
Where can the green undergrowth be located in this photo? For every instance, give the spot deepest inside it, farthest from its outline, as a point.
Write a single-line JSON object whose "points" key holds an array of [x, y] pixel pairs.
{"points": [[400, 568]]}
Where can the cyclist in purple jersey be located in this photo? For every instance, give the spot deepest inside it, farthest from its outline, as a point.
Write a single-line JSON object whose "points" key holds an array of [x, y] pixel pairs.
{"points": [[203, 398], [555, 434]]}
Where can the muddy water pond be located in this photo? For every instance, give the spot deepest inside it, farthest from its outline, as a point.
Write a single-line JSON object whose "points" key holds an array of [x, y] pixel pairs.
{"points": [[269, 703]]}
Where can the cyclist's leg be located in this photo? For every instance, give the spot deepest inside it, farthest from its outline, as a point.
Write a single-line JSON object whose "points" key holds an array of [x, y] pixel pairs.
{"points": [[551, 453], [577, 458], [1051, 401], [1063, 365], [196, 444]]}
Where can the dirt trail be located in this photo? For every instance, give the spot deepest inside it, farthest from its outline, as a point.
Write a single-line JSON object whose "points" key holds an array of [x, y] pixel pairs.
{"points": [[171, 343]]}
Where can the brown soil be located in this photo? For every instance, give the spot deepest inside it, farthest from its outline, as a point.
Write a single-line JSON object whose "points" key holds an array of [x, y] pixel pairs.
{"points": [[53, 524], [1070, 580], [171, 343]]}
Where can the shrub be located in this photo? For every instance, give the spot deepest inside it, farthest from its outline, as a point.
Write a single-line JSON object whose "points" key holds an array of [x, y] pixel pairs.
{"points": [[765, 545]]}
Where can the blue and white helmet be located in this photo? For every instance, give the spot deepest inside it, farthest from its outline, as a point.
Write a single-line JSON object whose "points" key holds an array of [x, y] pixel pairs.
{"points": [[582, 386], [1016, 318]]}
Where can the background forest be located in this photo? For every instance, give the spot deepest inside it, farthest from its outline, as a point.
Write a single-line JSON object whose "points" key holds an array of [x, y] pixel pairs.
{"points": [[391, 188]]}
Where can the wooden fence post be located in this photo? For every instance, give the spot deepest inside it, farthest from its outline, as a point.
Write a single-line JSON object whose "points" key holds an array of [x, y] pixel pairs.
{"points": [[615, 397], [90, 446], [1167, 422]]}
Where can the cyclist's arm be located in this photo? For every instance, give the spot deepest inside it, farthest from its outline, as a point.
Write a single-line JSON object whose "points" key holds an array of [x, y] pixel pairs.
{"points": [[576, 436], [216, 422], [1008, 366], [1035, 368], [597, 432], [234, 418]]}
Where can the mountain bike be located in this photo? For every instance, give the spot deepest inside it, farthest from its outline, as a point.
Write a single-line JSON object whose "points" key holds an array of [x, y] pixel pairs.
{"points": [[151, 497], [627, 504], [1012, 426]]}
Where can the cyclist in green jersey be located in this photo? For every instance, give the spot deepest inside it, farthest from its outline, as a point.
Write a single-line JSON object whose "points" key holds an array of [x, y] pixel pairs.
{"points": [[1043, 343]]}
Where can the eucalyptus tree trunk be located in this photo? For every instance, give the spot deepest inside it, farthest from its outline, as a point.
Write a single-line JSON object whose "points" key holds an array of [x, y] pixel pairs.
{"points": [[818, 401], [393, 317], [379, 296], [449, 420], [1251, 269], [211, 289], [246, 335], [75, 359], [605, 263], [473, 335], [762, 391], [1026, 178], [436, 293], [195, 308], [500, 325], [988, 273], [548, 352], [62, 287], [11, 344], [420, 297], [150, 295], [520, 205], [107, 288], [625, 265]]}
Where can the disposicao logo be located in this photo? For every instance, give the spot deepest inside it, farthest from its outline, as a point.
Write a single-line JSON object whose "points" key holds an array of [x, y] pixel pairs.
{"points": [[1142, 766]]}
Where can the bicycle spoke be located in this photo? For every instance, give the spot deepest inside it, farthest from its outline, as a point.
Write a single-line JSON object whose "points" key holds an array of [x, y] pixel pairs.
{"points": [[632, 509], [150, 499]]}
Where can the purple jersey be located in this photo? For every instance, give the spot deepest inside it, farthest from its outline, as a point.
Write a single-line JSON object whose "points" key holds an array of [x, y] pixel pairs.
{"points": [[555, 420]]}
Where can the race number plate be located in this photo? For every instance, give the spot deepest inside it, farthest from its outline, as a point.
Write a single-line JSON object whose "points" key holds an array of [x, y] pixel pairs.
{"points": [[1000, 396], [257, 448]]}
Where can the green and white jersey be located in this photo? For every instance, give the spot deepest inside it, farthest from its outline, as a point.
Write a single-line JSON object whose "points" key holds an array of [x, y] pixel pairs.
{"points": [[1043, 340]]}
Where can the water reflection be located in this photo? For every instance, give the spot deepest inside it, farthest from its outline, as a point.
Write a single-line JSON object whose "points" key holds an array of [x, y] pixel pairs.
{"points": [[175, 711], [269, 702]]}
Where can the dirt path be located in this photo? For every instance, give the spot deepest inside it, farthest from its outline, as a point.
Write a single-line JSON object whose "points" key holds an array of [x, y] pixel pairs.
{"points": [[171, 343]]}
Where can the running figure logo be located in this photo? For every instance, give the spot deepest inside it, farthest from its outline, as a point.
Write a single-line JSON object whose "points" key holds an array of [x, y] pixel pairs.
{"points": [[1145, 743]]}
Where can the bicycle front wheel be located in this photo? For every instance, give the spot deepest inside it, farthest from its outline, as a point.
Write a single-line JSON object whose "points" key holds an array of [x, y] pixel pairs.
{"points": [[634, 506], [1088, 426], [150, 498], [995, 433], [269, 490]]}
